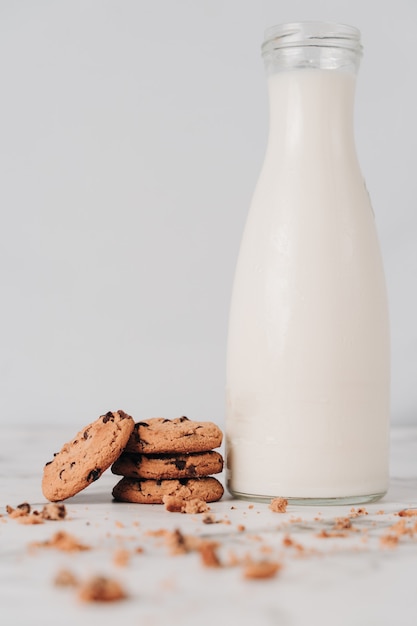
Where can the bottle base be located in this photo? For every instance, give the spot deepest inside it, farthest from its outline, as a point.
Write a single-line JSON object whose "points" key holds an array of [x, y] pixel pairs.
{"points": [[338, 501]]}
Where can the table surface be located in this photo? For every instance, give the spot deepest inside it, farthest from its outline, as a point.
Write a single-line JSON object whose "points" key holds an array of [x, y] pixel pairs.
{"points": [[355, 578]]}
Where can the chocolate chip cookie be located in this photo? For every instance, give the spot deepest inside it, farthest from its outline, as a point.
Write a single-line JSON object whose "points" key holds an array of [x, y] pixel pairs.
{"points": [[152, 491], [83, 460], [180, 435], [165, 466]]}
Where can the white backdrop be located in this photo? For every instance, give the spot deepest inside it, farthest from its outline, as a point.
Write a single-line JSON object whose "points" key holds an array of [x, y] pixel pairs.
{"points": [[131, 137]]}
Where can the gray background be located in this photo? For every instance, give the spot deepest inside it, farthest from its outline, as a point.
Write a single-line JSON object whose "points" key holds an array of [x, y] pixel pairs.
{"points": [[131, 137]]}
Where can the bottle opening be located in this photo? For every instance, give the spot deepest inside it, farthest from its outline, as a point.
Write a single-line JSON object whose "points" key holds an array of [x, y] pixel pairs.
{"points": [[312, 44]]}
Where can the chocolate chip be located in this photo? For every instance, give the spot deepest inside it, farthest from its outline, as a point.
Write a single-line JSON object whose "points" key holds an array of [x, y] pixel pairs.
{"points": [[93, 475], [183, 481], [180, 464], [25, 507], [183, 419], [142, 424], [60, 474], [108, 417], [85, 434]]}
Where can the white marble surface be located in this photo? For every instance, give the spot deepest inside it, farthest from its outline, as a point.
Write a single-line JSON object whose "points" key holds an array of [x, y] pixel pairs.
{"points": [[335, 581]]}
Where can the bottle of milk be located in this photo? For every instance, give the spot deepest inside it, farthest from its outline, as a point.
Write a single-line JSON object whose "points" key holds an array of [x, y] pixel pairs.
{"points": [[308, 347]]}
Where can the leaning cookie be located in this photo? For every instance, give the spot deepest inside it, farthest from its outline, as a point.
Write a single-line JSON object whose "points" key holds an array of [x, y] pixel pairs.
{"points": [[84, 459], [180, 435], [152, 491], [162, 466]]}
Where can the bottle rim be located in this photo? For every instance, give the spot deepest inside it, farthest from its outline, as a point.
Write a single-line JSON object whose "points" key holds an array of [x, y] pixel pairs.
{"points": [[312, 34]]}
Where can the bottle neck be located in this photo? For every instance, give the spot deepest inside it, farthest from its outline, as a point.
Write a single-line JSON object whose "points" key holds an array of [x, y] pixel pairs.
{"points": [[311, 68], [311, 110]]}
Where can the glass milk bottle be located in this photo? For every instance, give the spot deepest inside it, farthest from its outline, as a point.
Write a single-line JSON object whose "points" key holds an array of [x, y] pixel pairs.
{"points": [[308, 347]]}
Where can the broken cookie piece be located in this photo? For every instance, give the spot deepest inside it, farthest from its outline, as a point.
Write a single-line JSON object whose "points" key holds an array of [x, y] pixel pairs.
{"points": [[101, 589], [178, 505]]}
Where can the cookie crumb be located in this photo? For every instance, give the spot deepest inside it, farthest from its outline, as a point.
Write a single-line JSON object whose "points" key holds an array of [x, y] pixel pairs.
{"points": [[193, 506], [101, 589], [278, 505], [65, 578], [196, 505], [62, 541], [22, 513], [121, 558], [261, 569], [233, 559], [33, 518], [289, 542], [177, 542], [389, 541], [342, 523], [209, 557], [241, 528], [326, 534], [53, 511], [19, 511], [173, 504], [209, 519], [408, 513], [358, 512], [181, 544]]}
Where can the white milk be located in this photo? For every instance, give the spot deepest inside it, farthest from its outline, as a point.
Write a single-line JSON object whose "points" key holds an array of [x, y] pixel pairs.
{"points": [[308, 348]]}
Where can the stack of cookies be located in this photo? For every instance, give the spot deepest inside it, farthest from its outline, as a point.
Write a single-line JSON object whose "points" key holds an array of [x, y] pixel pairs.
{"points": [[170, 458]]}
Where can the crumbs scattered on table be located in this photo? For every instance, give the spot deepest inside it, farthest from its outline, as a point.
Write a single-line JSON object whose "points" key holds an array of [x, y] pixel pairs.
{"points": [[24, 515], [61, 541]]}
